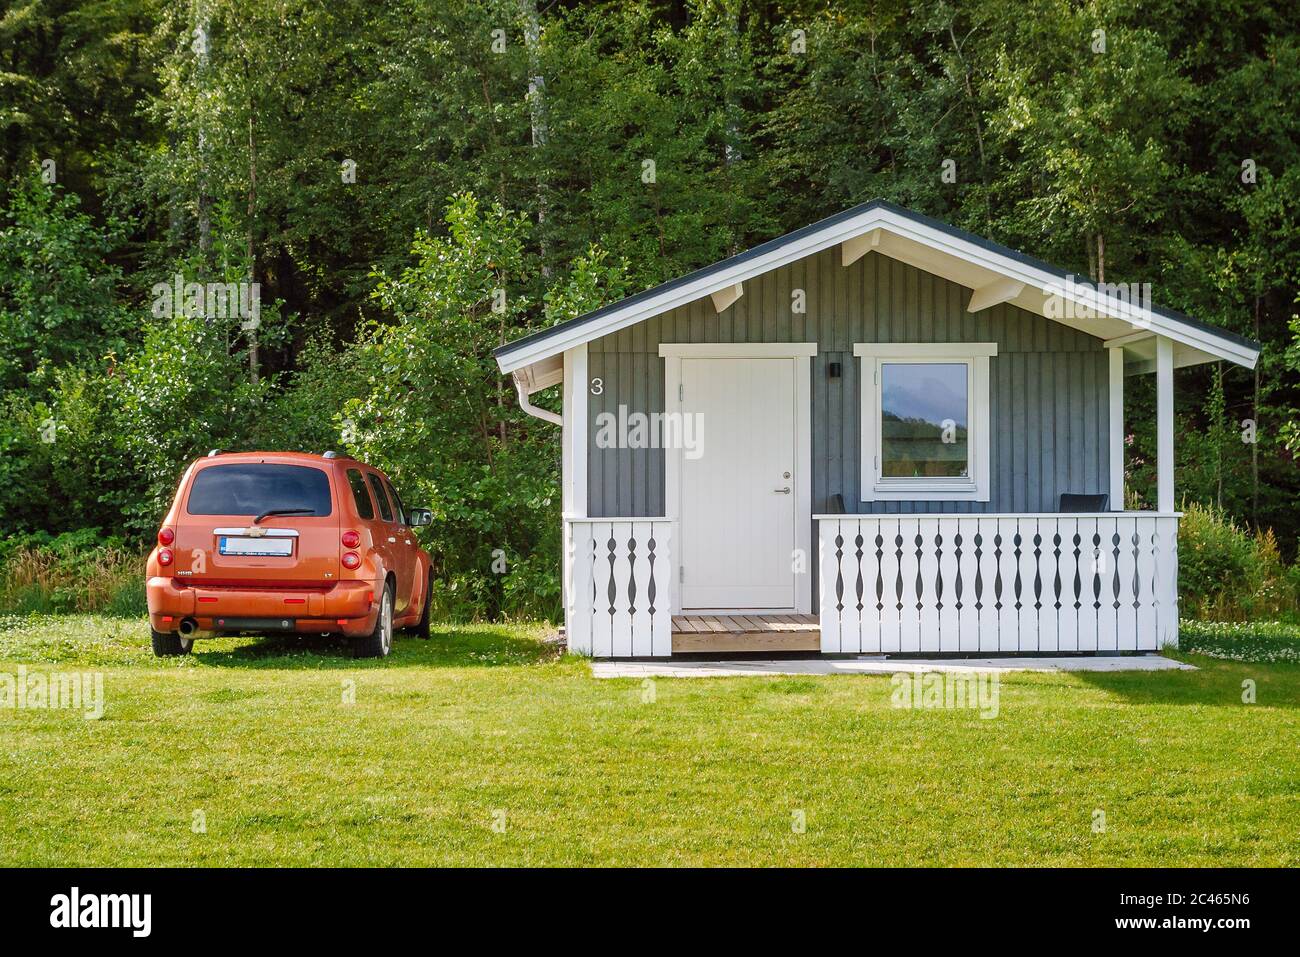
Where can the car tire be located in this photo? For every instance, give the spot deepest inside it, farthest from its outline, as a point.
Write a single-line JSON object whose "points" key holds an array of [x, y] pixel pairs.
{"points": [[169, 643], [379, 642], [422, 628]]}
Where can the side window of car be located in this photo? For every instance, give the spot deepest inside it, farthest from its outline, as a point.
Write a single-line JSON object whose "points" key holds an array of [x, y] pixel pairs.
{"points": [[397, 503], [365, 509], [380, 497]]}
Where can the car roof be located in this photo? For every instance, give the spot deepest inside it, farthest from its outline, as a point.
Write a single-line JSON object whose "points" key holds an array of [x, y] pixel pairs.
{"points": [[284, 458]]}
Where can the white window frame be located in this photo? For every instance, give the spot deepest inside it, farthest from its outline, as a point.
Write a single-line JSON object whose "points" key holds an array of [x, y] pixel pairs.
{"points": [[975, 355]]}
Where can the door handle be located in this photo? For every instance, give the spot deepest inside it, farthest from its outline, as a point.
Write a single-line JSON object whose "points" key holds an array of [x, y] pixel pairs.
{"points": [[782, 491]]}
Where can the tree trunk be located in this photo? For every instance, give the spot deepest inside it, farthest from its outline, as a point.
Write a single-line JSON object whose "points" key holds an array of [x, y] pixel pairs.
{"points": [[970, 101], [537, 116], [1220, 429], [1101, 257], [205, 198], [1254, 446], [252, 251]]}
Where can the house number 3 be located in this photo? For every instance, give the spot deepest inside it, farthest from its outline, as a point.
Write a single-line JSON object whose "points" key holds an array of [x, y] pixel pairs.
{"points": [[597, 386]]}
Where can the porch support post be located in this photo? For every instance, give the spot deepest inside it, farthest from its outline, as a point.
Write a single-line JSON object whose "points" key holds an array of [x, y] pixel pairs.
{"points": [[1164, 424], [1116, 428], [574, 451], [573, 477]]}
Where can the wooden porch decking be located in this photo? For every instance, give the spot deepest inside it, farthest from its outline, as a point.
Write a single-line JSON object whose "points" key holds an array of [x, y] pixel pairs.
{"points": [[728, 633]]}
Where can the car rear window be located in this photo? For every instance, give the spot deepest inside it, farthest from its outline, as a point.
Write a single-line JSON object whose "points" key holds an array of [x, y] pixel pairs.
{"points": [[364, 507], [256, 487], [380, 497]]}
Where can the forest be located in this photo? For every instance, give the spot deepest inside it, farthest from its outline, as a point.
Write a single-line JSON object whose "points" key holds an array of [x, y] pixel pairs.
{"points": [[382, 171]]}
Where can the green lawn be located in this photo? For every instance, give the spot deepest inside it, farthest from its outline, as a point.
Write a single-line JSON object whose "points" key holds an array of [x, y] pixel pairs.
{"points": [[446, 735]]}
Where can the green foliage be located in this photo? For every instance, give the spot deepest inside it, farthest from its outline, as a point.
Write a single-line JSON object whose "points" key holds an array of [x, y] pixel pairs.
{"points": [[1228, 574], [228, 160], [181, 394], [58, 303], [439, 418], [74, 572]]}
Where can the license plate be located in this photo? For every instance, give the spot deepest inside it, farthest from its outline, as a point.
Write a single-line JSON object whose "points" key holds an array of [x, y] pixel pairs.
{"points": [[256, 547]]}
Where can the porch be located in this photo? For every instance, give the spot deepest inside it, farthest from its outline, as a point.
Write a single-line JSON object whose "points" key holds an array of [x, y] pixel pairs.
{"points": [[896, 584]]}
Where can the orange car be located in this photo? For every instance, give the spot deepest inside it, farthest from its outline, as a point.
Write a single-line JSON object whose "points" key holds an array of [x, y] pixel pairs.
{"points": [[260, 542]]}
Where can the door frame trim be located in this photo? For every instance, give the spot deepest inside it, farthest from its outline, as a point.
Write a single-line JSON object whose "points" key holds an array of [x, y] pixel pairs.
{"points": [[672, 354]]}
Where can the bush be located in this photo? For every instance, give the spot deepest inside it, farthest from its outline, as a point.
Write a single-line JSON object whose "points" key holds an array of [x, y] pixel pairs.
{"points": [[1227, 574], [73, 572], [1266, 641]]}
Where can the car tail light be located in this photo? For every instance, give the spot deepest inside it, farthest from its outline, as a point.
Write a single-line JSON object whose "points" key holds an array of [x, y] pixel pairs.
{"points": [[351, 560], [164, 556], [166, 536], [351, 539]]}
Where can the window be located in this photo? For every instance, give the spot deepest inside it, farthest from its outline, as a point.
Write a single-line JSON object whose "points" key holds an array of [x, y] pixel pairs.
{"points": [[380, 497], [254, 488], [397, 503], [365, 509], [925, 421]]}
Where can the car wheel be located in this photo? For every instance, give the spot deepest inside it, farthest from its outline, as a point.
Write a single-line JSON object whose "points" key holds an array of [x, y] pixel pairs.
{"points": [[168, 643], [422, 629], [379, 642]]}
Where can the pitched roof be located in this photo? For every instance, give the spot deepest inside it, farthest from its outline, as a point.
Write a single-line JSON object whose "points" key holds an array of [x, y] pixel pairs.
{"points": [[924, 241]]}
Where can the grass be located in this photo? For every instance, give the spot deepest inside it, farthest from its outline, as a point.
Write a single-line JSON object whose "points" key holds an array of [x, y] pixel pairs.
{"points": [[482, 726], [1242, 641]]}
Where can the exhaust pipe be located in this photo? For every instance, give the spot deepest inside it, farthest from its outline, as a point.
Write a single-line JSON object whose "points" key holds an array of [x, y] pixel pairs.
{"points": [[188, 627]]}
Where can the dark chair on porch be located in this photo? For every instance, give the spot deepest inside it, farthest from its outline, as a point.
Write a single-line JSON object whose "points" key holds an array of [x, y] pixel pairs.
{"points": [[1074, 502]]}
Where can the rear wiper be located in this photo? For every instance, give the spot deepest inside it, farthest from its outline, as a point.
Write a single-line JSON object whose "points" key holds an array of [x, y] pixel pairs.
{"points": [[284, 511]]}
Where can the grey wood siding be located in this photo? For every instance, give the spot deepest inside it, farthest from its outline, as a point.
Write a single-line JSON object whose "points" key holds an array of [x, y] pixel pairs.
{"points": [[1048, 388]]}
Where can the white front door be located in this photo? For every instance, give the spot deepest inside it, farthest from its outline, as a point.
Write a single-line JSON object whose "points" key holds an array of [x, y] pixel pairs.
{"points": [[738, 497]]}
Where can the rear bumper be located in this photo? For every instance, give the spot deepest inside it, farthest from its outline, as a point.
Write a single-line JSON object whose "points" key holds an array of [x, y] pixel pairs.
{"points": [[348, 608]]}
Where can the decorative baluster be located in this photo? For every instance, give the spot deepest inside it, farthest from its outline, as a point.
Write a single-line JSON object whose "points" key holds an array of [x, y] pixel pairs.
{"points": [[631, 593], [880, 584], [858, 586], [839, 572], [898, 580], [1115, 585], [1038, 572]]}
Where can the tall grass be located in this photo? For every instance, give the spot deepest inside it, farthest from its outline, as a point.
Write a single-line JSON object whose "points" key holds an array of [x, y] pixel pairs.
{"points": [[1228, 573], [76, 572]]}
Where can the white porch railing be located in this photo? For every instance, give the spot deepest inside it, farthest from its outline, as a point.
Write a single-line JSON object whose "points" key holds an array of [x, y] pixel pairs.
{"points": [[1004, 583], [619, 601]]}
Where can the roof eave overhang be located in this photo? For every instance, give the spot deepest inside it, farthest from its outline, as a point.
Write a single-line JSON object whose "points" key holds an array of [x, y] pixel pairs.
{"points": [[1125, 317]]}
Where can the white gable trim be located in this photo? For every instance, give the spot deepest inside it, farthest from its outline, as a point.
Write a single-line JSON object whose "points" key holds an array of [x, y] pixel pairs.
{"points": [[687, 293], [882, 224]]}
